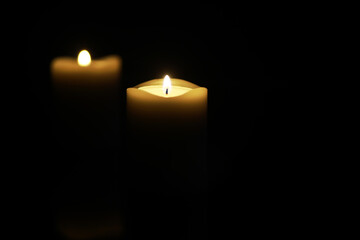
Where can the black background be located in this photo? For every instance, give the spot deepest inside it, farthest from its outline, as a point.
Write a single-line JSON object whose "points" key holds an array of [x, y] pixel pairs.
{"points": [[242, 54]]}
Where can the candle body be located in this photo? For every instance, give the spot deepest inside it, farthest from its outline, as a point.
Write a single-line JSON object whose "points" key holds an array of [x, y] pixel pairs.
{"points": [[86, 127], [86, 131], [167, 143]]}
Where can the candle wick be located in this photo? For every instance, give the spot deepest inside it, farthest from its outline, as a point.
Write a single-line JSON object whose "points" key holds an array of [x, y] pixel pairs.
{"points": [[167, 91]]}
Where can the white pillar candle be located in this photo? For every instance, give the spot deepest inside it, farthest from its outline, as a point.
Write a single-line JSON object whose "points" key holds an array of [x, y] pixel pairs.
{"points": [[167, 143]]}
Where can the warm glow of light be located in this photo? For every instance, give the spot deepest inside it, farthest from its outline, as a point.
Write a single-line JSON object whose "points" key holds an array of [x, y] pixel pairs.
{"points": [[84, 58], [167, 85]]}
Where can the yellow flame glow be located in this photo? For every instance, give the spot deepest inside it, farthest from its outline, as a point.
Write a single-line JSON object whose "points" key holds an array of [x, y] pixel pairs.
{"points": [[84, 58], [166, 85]]}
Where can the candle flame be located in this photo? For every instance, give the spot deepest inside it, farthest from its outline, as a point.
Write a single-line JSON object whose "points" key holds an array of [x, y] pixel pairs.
{"points": [[84, 58], [166, 85]]}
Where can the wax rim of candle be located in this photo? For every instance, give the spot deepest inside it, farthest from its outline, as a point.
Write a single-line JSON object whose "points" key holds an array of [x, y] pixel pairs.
{"points": [[175, 92], [188, 96], [174, 82], [98, 63], [195, 89]]}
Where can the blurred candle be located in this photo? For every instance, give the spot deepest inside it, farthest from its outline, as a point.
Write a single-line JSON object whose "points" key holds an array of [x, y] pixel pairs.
{"points": [[86, 130], [86, 95]]}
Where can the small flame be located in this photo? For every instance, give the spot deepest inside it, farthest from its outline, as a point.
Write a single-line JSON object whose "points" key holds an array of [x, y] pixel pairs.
{"points": [[84, 58], [167, 85]]}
